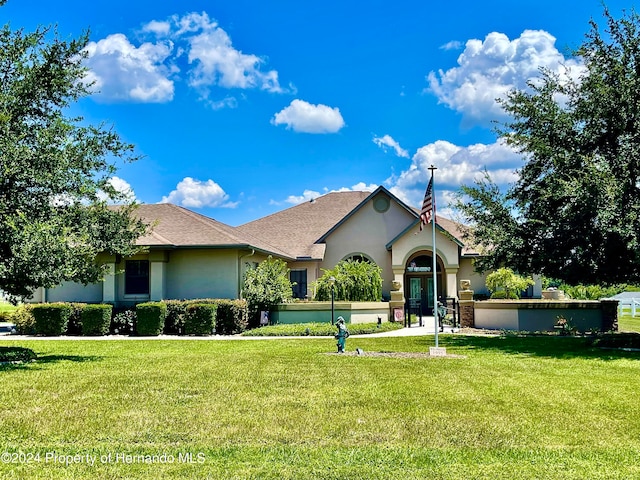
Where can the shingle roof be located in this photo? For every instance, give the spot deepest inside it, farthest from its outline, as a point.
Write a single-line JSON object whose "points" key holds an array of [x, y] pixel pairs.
{"points": [[296, 229], [290, 233], [175, 226]]}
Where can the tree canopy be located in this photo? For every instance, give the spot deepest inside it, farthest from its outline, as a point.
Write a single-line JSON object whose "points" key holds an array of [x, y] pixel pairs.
{"points": [[55, 169], [574, 212]]}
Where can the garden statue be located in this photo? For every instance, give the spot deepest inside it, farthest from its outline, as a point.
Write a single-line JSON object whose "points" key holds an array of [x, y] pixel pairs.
{"points": [[342, 334]]}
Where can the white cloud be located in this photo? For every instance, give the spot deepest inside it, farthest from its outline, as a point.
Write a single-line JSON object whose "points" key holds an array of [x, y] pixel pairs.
{"points": [[193, 193], [452, 45], [455, 166], [306, 196], [301, 116], [217, 62], [123, 187], [124, 72], [489, 69], [146, 73], [388, 142]]}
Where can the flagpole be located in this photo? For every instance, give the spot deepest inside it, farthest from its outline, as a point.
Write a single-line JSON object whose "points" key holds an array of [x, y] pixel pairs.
{"points": [[435, 264]]}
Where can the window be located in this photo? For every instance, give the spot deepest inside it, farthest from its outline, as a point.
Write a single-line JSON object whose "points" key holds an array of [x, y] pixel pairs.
{"points": [[136, 277], [358, 257], [299, 279]]}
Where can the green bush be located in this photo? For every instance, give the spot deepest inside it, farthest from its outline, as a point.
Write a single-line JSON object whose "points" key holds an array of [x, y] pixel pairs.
{"points": [[123, 321], [200, 319], [355, 281], [23, 318], [265, 286], [506, 281], [150, 318], [74, 327], [96, 319], [16, 354], [502, 295], [176, 311], [232, 316], [591, 292], [320, 329], [51, 318]]}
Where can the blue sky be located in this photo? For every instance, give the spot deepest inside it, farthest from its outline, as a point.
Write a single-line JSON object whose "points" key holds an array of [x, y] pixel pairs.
{"points": [[241, 108]]}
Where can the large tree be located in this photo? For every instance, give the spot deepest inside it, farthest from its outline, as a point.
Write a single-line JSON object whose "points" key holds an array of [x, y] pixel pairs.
{"points": [[574, 212], [55, 170]]}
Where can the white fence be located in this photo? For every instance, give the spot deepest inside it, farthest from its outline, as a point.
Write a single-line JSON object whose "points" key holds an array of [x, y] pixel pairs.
{"points": [[629, 306]]}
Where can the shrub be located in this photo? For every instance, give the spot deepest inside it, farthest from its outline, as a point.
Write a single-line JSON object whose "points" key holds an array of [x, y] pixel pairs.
{"points": [[265, 286], [232, 316], [123, 321], [96, 319], [591, 292], [176, 311], [74, 327], [200, 319], [150, 318], [51, 318], [24, 320], [355, 281], [505, 280]]}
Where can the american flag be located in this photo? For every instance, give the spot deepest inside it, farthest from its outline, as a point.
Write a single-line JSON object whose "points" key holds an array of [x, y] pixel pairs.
{"points": [[428, 205]]}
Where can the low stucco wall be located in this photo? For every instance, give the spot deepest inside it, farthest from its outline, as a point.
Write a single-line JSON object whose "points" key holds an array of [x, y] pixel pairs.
{"points": [[538, 315], [307, 312]]}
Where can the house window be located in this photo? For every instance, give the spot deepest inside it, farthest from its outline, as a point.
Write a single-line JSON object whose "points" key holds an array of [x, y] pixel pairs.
{"points": [[299, 279], [358, 257], [136, 277]]}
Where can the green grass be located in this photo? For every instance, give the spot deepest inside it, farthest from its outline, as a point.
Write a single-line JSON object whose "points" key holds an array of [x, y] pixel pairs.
{"points": [[514, 407], [319, 329], [627, 323]]}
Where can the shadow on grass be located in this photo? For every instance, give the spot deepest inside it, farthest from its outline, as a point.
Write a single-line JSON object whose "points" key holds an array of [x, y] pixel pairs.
{"points": [[42, 360], [547, 346]]}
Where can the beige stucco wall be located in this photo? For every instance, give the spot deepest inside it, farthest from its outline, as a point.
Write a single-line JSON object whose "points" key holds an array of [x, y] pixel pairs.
{"points": [[76, 292], [212, 273], [367, 232], [467, 272]]}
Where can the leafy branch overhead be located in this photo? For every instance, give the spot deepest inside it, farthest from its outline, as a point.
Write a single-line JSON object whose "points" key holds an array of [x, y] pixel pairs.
{"points": [[574, 212], [55, 170]]}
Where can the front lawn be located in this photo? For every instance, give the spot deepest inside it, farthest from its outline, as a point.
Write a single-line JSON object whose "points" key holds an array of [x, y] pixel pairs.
{"points": [[510, 408], [627, 323]]}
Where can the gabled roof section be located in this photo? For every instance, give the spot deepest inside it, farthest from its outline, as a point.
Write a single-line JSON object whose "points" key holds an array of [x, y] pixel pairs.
{"points": [[295, 230], [176, 227], [370, 196]]}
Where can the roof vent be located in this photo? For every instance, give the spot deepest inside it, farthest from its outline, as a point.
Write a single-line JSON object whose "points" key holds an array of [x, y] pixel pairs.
{"points": [[313, 200]]}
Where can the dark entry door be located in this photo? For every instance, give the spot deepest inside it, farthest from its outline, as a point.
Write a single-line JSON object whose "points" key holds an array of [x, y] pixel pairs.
{"points": [[421, 288]]}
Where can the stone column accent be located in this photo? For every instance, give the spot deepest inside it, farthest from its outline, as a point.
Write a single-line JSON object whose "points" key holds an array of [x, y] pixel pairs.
{"points": [[467, 314], [397, 300], [609, 315]]}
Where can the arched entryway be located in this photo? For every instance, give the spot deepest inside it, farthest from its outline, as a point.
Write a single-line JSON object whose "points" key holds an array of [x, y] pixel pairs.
{"points": [[418, 281]]}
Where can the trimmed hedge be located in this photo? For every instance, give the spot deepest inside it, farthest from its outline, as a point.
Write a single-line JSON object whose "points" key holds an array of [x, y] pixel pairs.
{"points": [[200, 319], [150, 318], [232, 316], [74, 327], [95, 319], [23, 318], [174, 322], [51, 319]]}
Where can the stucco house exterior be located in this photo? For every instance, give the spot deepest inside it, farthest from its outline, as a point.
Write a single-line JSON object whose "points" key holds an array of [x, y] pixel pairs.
{"points": [[188, 255]]}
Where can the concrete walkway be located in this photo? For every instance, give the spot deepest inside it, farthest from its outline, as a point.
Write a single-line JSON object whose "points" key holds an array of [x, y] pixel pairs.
{"points": [[415, 330]]}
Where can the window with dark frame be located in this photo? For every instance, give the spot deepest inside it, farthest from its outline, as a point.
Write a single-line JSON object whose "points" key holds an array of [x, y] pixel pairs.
{"points": [[136, 277], [299, 279]]}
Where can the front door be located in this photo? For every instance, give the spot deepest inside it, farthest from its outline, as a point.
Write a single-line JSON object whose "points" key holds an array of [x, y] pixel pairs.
{"points": [[421, 289]]}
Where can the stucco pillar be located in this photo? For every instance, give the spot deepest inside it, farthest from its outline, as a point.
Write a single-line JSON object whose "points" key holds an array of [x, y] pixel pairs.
{"points": [[158, 275], [109, 284], [397, 296], [452, 282]]}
